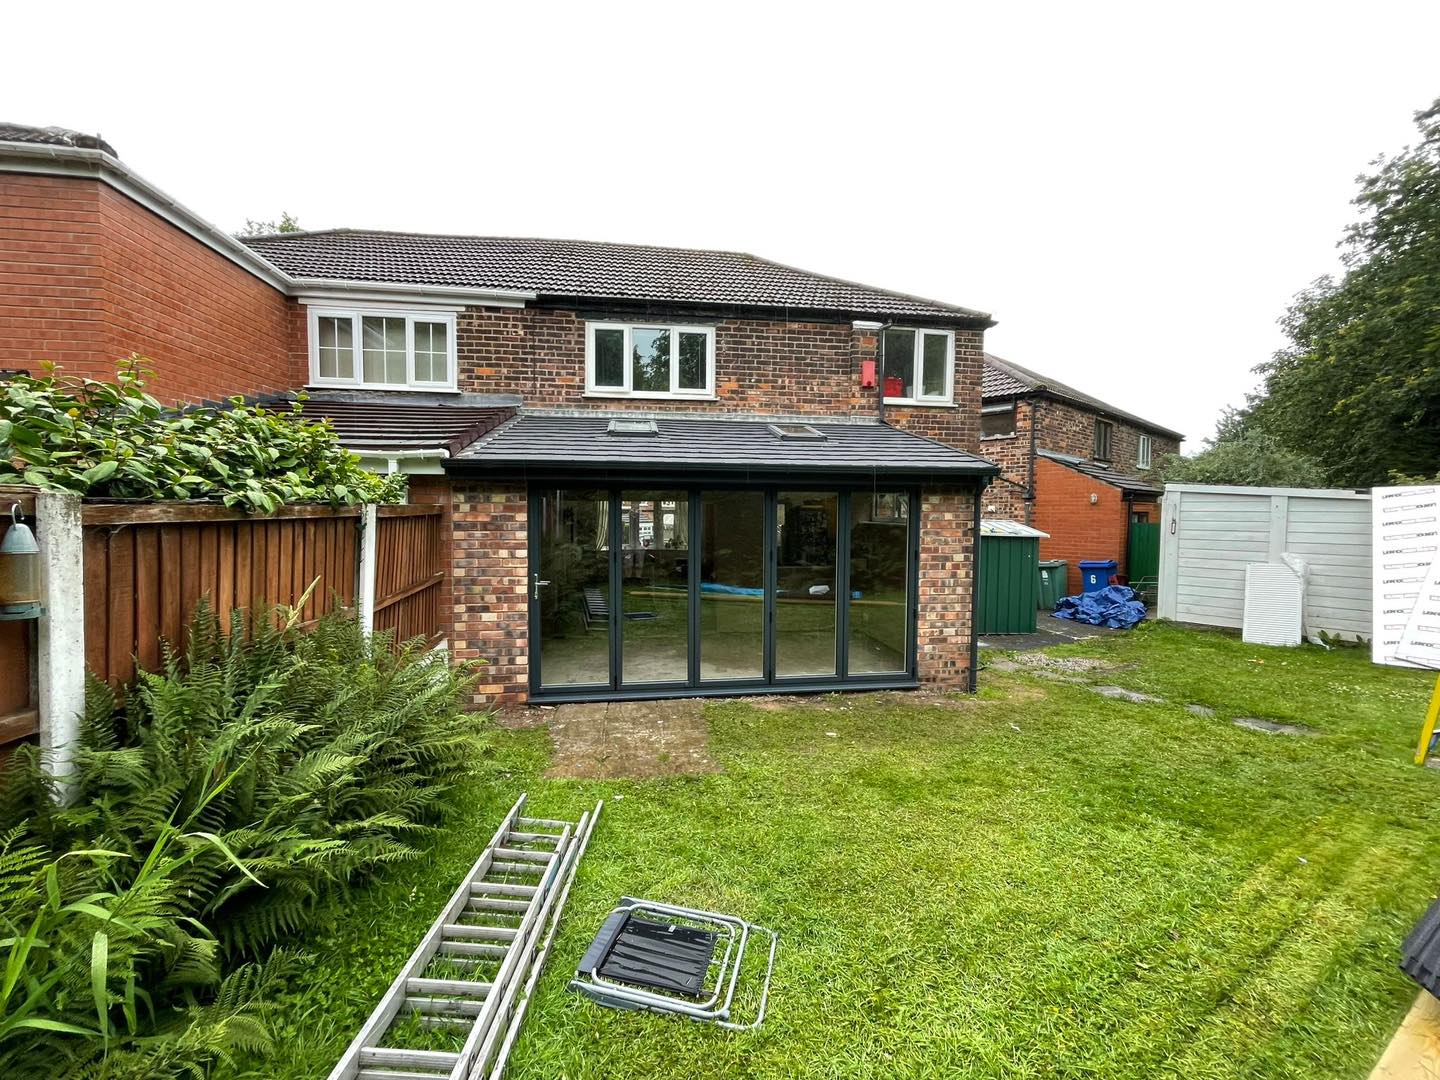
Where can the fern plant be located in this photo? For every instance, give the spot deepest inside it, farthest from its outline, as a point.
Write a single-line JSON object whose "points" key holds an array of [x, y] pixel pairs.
{"points": [[212, 809]]}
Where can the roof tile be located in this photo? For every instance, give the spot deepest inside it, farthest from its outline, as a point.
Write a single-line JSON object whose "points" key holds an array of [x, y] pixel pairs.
{"points": [[583, 268]]}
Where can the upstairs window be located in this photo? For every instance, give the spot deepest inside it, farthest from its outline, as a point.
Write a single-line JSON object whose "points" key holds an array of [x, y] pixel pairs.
{"points": [[382, 350], [918, 366], [623, 360], [1104, 431], [997, 421], [1142, 456]]}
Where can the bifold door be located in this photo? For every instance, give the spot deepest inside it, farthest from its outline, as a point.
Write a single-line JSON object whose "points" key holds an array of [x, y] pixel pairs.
{"points": [[669, 589]]}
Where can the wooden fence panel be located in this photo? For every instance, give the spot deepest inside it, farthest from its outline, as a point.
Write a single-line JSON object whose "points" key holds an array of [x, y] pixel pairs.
{"points": [[19, 707], [148, 565], [409, 571]]}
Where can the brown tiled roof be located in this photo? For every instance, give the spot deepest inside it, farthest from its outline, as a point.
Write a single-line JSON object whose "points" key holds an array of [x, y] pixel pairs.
{"points": [[379, 425], [53, 136], [584, 268], [1003, 379]]}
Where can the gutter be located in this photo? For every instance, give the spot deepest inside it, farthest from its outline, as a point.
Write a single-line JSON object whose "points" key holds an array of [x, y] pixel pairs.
{"points": [[391, 459], [319, 290]]}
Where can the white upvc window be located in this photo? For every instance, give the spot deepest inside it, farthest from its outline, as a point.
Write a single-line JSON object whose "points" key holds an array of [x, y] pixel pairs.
{"points": [[382, 348], [649, 360], [919, 366], [1142, 457]]}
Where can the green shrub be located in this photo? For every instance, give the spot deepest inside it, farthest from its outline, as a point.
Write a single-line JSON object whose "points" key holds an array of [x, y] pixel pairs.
{"points": [[209, 814], [115, 440]]}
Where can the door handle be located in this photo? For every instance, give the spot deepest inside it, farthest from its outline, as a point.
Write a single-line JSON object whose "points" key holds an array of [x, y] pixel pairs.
{"points": [[538, 582]]}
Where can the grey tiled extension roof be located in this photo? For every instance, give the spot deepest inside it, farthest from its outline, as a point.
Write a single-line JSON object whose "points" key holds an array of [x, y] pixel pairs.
{"points": [[689, 444], [584, 268], [1003, 379], [53, 136], [1104, 474]]}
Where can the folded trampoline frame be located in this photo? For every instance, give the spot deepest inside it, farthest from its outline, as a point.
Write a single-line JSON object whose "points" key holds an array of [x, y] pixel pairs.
{"points": [[736, 934]]}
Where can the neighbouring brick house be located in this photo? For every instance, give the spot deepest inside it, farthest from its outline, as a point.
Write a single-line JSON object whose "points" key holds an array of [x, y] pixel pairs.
{"points": [[666, 471], [1071, 465]]}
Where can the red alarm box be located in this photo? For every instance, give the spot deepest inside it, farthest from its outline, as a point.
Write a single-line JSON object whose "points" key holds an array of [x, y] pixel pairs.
{"points": [[867, 374]]}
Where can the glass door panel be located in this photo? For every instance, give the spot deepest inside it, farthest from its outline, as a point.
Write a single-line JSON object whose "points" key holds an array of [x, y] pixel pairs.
{"points": [[570, 584], [806, 582], [732, 585], [655, 586], [879, 622]]}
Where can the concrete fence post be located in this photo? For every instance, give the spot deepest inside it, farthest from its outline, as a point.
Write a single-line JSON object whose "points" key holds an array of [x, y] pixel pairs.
{"points": [[61, 631], [365, 569]]}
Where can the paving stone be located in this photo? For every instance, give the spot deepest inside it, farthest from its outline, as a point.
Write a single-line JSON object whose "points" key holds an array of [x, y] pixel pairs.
{"points": [[1270, 727], [1200, 710], [1121, 694]]}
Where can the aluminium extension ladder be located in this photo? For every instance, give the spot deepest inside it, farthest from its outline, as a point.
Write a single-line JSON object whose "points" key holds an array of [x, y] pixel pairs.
{"points": [[462, 986]]}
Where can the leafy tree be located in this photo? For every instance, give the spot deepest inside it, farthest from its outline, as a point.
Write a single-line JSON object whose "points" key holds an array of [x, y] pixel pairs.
{"points": [[288, 223], [1359, 387], [1244, 458], [115, 440]]}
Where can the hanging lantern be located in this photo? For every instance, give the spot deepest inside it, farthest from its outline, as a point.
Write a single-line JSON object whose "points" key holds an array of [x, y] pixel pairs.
{"points": [[19, 571]]}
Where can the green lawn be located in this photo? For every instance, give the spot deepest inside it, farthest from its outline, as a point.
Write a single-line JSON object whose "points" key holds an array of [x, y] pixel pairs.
{"points": [[1038, 882]]}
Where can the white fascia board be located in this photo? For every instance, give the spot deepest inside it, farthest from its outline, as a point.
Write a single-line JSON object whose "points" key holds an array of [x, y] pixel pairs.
{"points": [[78, 161], [338, 291]]}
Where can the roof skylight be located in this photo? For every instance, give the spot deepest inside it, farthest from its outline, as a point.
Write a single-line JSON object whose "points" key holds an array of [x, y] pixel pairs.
{"points": [[795, 431], [632, 428]]}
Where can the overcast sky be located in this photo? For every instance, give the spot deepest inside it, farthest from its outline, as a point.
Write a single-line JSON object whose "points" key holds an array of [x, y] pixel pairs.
{"points": [[1135, 191]]}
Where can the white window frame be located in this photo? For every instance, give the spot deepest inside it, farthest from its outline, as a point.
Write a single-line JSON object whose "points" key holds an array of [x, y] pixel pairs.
{"points": [[411, 317], [1144, 453], [625, 391], [948, 397]]}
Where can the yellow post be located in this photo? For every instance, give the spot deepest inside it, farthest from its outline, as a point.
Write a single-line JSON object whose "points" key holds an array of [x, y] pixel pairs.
{"points": [[1432, 714]]}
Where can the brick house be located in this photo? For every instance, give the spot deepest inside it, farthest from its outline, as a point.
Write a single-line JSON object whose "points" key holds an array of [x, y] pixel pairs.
{"points": [[666, 471], [1071, 465]]}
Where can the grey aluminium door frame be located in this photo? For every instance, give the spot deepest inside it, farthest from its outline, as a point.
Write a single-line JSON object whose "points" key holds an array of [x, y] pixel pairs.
{"points": [[613, 687]]}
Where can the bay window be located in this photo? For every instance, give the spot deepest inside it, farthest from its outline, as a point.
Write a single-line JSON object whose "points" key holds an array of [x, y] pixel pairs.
{"points": [[623, 360], [387, 350], [918, 366]]}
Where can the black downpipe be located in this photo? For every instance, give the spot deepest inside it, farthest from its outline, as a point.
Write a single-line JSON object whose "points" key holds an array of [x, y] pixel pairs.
{"points": [[975, 589], [1030, 479], [880, 371]]}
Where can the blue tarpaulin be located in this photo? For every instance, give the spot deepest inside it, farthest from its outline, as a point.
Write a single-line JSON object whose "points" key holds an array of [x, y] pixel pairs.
{"points": [[1115, 606]]}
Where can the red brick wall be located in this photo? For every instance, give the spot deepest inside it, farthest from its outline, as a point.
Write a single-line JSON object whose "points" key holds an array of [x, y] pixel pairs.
{"points": [[490, 563], [947, 578], [1012, 454], [87, 277], [52, 300], [1067, 429], [761, 366], [1078, 530]]}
